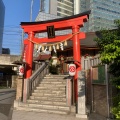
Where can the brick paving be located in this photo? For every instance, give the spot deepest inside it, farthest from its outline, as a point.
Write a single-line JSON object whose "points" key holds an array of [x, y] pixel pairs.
{"points": [[24, 115]]}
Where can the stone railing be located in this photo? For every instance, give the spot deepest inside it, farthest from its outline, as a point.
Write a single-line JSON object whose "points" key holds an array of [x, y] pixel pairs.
{"points": [[31, 83]]}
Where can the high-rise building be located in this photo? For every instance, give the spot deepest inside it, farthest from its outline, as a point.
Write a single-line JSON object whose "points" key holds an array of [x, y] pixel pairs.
{"points": [[57, 7], [2, 13], [103, 13]]}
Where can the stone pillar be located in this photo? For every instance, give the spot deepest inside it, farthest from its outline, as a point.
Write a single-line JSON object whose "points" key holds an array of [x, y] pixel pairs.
{"points": [[68, 92], [19, 90], [81, 106], [14, 81]]}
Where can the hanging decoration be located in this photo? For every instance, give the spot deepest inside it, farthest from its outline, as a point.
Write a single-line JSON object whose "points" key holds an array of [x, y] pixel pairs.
{"points": [[61, 46], [57, 46], [50, 48], [54, 46], [45, 50], [42, 48], [38, 48], [65, 43], [54, 49]]}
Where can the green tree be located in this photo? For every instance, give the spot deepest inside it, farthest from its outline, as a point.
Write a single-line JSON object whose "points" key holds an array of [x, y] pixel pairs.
{"points": [[109, 43]]}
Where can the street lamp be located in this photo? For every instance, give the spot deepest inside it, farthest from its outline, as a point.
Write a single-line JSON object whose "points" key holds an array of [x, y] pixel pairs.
{"points": [[31, 10]]}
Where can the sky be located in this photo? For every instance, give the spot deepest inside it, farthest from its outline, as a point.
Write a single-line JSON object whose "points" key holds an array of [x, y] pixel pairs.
{"points": [[17, 11]]}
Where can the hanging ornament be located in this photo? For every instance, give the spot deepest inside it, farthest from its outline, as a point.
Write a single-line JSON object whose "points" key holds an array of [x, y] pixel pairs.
{"points": [[39, 48], [50, 48], [42, 48], [61, 46], [57, 46], [54, 49], [45, 49], [36, 46], [65, 43]]}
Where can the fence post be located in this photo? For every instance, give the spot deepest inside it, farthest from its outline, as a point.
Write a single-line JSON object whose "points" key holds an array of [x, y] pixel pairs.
{"points": [[26, 90]]}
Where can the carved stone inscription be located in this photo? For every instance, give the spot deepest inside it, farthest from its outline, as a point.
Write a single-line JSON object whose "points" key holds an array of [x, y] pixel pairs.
{"points": [[81, 93]]}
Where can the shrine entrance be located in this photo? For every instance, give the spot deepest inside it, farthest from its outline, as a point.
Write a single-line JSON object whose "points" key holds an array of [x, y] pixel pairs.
{"points": [[73, 22]]}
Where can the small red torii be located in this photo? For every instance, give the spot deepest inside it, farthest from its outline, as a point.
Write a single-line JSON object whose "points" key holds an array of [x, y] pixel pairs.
{"points": [[74, 22]]}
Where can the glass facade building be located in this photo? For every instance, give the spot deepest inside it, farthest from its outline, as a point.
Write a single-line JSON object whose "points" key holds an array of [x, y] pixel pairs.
{"points": [[2, 13], [103, 13]]}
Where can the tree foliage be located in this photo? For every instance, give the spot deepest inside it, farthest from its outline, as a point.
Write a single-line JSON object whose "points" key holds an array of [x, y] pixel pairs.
{"points": [[109, 43]]}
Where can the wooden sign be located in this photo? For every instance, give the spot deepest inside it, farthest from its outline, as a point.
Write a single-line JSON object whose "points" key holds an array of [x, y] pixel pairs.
{"points": [[51, 31]]}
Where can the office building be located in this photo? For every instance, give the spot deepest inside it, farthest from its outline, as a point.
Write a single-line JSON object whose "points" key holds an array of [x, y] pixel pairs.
{"points": [[57, 7], [103, 13], [2, 13]]}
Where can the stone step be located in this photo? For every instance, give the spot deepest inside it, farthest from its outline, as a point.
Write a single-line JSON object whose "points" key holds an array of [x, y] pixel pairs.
{"points": [[48, 98], [42, 110], [49, 95], [51, 88], [52, 82], [57, 75], [50, 91], [52, 85], [47, 102], [56, 79], [52, 107]]}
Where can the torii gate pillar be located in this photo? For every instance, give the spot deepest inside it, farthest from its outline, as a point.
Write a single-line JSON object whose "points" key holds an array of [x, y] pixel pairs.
{"points": [[29, 55], [76, 56]]}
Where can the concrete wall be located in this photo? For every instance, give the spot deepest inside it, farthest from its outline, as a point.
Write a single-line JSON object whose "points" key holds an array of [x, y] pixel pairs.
{"points": [[8, 59]]}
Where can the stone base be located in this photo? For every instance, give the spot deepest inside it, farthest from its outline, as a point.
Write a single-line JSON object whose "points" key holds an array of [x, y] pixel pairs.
{"points": [[81, 116]]}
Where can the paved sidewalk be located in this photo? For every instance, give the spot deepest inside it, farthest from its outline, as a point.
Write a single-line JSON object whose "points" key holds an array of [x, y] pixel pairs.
{"points": [[23, 115]]}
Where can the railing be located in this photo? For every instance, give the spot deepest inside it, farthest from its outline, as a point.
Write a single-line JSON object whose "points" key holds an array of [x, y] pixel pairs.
{"points": [[31, 83]]}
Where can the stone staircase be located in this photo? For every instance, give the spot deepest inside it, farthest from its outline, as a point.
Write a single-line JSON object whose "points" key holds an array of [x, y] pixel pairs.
{"points": [[49, 96]]}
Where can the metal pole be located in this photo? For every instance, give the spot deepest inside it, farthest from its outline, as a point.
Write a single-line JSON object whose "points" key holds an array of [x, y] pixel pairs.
{"points": [[92, 99], [31, 10], [107, 90], [22, 41]]}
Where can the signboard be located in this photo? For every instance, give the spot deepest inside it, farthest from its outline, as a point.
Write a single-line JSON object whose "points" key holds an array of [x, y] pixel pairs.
{"points": [[50, 31], [98, 74]]}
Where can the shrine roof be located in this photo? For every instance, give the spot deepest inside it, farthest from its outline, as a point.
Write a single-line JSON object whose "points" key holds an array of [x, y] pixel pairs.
{"points": [[59, 19]]}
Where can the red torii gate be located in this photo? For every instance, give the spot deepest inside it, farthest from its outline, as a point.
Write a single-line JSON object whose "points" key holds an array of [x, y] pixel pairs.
{"points": [[74, 22]]}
